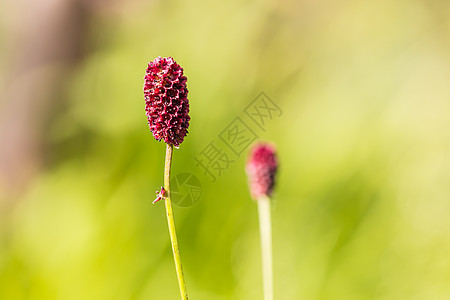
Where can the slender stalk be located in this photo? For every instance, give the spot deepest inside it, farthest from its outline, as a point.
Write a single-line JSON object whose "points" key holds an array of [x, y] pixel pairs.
{"points": [[171, 223], [265, 230]]}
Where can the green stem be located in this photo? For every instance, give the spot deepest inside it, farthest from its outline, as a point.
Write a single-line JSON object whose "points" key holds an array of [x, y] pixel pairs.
{"points": [[265, 230], [171, 223]]}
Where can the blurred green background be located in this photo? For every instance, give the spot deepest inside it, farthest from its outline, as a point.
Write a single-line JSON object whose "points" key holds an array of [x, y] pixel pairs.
{"points": [[362, 204]]}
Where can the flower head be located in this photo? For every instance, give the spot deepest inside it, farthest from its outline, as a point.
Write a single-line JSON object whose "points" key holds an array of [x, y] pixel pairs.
{"points": [[261, 169], [166, 103]]}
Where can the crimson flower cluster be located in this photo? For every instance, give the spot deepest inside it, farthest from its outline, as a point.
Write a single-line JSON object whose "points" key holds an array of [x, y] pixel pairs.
{"points": [[261, 169], [166, 103]]}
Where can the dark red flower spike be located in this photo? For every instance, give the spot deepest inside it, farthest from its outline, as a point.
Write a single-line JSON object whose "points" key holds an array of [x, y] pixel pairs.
{"points": [[261, 169], [166, 103]]}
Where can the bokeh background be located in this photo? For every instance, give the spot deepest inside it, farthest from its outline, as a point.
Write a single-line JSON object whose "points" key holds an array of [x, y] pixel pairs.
{"points": [[362, 205]]}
